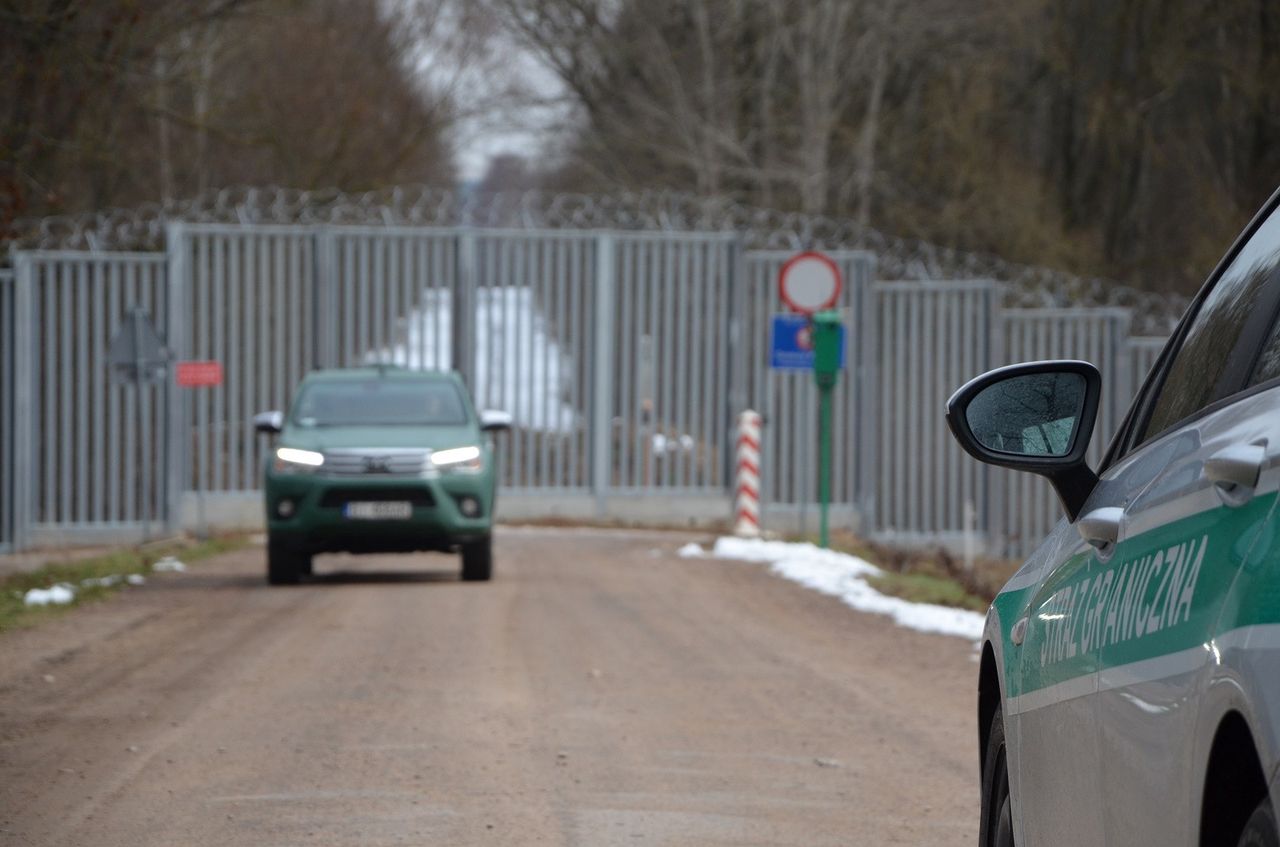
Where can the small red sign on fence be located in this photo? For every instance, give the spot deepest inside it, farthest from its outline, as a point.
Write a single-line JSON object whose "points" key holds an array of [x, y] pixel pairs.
{"points": [[199, 374]]}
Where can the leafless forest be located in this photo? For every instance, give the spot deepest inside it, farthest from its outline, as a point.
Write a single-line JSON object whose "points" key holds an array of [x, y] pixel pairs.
{"points": [[1124, 138]]}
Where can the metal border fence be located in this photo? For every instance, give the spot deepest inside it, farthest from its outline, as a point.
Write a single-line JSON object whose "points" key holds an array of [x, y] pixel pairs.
{"points": [[623, 355]]}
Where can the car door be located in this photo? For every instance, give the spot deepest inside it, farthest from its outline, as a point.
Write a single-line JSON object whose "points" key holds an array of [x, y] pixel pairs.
{"points": [[1184, 530], [1053, 710]]}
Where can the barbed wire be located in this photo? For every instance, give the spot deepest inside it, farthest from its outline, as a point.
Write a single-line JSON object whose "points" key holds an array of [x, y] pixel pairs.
{"points": [[1023, 286]]}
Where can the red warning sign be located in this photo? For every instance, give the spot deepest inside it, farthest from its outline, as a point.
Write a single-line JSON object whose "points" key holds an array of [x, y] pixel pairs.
{"points": [[199, 374]]}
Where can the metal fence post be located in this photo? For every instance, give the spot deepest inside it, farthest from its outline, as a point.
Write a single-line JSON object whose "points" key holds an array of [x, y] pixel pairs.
{"points": [[736, 345], [462, 308], [866, 415], [24, 401], [602, 372], [992, 520], [324, 320], [177, 450]]}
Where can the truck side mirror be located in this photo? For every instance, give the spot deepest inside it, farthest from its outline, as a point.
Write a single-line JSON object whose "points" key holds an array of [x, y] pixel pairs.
{"points": [[492, 420], [268, 422]]}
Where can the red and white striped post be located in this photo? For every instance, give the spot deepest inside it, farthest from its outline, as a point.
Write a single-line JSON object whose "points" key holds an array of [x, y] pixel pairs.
{"points": [[746, 506]]}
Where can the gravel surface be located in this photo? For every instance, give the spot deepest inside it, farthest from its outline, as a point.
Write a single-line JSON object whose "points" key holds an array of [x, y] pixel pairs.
{"points": [[600, 691]]}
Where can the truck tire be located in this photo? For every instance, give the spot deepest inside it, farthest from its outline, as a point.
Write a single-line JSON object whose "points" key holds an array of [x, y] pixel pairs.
{"points": [[477, 560], [284, 565]]}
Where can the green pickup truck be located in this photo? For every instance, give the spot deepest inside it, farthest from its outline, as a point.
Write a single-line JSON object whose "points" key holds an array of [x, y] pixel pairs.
{"points": [[379, 460]]}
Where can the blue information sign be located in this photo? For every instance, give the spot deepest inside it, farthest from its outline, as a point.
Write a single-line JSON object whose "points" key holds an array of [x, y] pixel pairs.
{"points": [[791, 345]]}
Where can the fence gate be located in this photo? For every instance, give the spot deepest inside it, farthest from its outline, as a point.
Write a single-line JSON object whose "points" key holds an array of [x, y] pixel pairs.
{"points": [[932, 338], [524, 307], [89, 453], [667, 350]]}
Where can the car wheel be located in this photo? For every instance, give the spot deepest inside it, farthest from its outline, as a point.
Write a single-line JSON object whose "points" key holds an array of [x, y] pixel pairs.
{"points": [[1260, 831], [477, 560], [284, 565], [996, 827]]}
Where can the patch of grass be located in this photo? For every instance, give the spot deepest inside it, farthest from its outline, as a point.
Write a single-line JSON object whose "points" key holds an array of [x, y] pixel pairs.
{"points": [[14, 613], [928, 588]]}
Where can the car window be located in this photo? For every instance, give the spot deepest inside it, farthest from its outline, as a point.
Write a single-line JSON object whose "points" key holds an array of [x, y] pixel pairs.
{"points": [[1220, 344], [378, 403], [1267, 367]]}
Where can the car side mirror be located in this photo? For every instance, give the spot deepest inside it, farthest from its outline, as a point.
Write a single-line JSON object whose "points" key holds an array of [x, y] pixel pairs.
{"points": [[1034, 417], [268, 422], [492, 420]]}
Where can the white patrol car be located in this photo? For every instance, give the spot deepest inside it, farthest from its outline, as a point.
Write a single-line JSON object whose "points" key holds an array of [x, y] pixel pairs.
{"points": [[1129, 691]]}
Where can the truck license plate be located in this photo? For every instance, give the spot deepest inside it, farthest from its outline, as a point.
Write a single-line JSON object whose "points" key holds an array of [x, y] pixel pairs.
{"points": [[396, 510]]}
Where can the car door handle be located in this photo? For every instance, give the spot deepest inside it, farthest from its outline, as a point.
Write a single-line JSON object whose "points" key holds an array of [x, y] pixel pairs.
{"points": [[1235, 471], [1101, 527]]}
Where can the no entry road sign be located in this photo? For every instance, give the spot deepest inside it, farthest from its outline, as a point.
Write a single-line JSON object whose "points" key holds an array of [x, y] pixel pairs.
{"points": [[809, 282]]}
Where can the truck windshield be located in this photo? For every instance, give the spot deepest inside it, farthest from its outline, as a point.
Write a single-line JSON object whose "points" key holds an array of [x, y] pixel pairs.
{"points": [[380, 402]]}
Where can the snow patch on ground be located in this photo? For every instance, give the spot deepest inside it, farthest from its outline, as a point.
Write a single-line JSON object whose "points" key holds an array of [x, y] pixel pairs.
{"points": [[843, 576], [56, 595], [65, 592]]}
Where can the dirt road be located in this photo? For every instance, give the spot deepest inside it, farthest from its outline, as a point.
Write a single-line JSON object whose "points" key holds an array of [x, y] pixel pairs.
{"points": [[601, 691]]}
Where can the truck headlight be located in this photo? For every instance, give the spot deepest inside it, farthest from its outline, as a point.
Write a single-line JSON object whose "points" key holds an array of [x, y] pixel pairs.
{"points": [[293, 460], [463, 459]]}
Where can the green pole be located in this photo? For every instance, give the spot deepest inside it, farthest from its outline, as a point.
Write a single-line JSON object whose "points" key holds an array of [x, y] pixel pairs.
{"points": [[826, 370], [824, 462]]}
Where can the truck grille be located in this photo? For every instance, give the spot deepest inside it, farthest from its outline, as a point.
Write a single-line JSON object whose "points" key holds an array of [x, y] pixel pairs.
{"points": [[337, 497], [375, 462]]}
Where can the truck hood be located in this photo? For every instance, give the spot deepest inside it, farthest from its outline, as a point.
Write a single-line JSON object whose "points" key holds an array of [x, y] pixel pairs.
{"points": [[420, 437]]}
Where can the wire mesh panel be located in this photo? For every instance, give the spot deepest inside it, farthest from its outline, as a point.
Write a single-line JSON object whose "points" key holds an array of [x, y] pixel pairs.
{"points": [[7, 432], [933, 336], [527, 309], [673, 319], [789, 399], [1023, 508], [249, 304], [97, 442]]}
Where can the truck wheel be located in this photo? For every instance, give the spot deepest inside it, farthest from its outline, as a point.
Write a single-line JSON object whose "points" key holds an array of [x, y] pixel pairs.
{"points": [[1260, 831], [284, 565], [996, 826], [477, 560]]}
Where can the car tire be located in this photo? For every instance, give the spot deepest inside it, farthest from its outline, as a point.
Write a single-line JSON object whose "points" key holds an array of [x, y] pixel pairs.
{"points": [[996, 826], [477, 560], [1260, 830], [284, 565]]}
